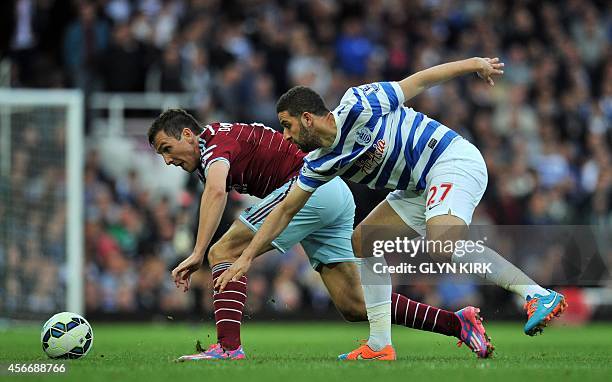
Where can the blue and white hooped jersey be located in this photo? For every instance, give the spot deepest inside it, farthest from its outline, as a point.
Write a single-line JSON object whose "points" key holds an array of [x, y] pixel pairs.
{"points": [[379, 142]]}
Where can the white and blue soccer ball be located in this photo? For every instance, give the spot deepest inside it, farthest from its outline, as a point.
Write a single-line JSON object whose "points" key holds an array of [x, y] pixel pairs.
{"points": [[66, 335]]}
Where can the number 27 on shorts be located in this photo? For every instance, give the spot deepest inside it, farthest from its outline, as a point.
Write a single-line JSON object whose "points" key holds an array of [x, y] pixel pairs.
{"points": [[437, 194]]}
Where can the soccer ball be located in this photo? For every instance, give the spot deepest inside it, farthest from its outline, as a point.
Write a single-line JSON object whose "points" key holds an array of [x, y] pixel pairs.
{"points": [[66, 335]]}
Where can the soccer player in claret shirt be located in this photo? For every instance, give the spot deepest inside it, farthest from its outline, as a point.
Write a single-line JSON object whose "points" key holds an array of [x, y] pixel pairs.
{"points": [[255, 159], [438, 178]]}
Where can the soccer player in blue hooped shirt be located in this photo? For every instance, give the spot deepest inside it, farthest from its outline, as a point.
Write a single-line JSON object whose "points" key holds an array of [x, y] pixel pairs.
{"points": [[438, 179]]}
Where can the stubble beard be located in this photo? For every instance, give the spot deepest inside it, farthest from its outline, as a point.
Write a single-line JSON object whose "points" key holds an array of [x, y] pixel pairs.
{"points": [[308, 141]]}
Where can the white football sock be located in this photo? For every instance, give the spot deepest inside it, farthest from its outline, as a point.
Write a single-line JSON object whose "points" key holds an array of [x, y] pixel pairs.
{"points": [[378, 304], [503, 273], [380, 325]]}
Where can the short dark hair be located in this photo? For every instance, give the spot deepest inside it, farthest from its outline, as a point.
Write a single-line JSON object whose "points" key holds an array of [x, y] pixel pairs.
{"points": [[300, 99], [172, 122]]}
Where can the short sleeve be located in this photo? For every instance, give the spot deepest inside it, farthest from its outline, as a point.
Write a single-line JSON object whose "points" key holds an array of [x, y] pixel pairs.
{"points": [[380, 98], [310, 180], [220, 148]]}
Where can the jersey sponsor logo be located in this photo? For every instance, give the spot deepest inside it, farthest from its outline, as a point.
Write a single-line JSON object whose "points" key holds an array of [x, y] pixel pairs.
{"points": [[363, 136], [432, 143], [373, 157]]}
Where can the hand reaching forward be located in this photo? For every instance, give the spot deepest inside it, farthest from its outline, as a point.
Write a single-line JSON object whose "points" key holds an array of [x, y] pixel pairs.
{"points": [[489, 67], [182, 273]]}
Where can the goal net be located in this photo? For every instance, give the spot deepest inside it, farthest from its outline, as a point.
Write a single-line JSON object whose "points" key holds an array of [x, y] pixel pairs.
{"points": [[41, 198]]}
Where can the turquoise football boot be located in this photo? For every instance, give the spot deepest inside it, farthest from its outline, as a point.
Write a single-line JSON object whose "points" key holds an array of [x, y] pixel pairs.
{"points": [[542, 309]]}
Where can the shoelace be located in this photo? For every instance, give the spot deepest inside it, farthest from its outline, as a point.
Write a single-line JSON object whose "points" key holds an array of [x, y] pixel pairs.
{"points": [[531, 306]]}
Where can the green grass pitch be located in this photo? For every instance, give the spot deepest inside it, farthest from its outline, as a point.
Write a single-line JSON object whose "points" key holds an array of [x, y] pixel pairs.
{"points": [[307, 352]]}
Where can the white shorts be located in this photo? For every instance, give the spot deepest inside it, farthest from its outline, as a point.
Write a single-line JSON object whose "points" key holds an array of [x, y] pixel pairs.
{"points": [[455, 185]]}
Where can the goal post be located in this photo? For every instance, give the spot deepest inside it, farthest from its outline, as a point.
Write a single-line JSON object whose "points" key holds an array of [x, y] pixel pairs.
{"points": [[45, 112]]}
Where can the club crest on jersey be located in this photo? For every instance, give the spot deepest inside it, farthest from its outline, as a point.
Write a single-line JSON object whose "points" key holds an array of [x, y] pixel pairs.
{"points": [[363, 136], [369, 88]]}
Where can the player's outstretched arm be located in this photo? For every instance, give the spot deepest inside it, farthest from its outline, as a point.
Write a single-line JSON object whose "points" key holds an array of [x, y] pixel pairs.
{"points": [[274, 224], [212, 204], [486, 68]]}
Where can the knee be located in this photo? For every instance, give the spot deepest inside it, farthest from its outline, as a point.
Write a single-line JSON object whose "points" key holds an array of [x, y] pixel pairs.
{"points": [[213, 256], [440, 249], [441, 256], [218, 254], [444, 234], [356, 242]]}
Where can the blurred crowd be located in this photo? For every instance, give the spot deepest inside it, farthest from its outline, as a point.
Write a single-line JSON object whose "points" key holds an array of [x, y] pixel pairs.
{"points": [[545, 129]]}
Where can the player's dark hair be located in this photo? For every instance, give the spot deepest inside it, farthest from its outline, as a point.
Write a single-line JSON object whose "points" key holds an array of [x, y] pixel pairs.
{"points": [[300, 99], [172, 122]]}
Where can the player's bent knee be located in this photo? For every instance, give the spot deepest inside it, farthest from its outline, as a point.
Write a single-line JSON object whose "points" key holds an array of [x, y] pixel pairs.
{"points": [[441, 256], [218, 254], [443, 233], [213, 256], [356, 242], [441, 248]]}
